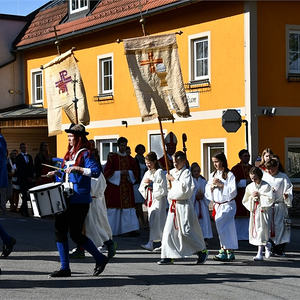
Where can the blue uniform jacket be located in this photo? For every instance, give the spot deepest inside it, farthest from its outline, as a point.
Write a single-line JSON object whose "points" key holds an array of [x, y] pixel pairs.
{"points": [[81, 183]]}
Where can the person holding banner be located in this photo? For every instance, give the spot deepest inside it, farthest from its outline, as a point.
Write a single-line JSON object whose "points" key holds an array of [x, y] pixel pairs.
{"points": [[79, 166], [182, 235], [153, 188]]}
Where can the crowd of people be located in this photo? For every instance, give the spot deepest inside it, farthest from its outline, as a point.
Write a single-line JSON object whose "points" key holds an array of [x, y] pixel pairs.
{"points": [[246, 202]]}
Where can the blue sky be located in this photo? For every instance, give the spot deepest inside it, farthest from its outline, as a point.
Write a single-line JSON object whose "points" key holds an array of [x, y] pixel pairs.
{"points": [[20, 7]]}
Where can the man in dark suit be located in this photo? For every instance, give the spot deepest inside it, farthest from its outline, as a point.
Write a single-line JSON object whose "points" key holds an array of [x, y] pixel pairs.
{"points": [[24, 164]]}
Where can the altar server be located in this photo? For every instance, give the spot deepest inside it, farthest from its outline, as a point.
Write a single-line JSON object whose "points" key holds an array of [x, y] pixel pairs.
{"points": [[153, 188], [221, 189], [182, 235], [200, 202], [283, 197], [258, 199]]}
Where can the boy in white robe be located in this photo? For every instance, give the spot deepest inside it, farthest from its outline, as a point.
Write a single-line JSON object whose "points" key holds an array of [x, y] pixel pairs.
{"points": [[153, 188], [200, 202], [221, 189], [278, 214], [258, 198], [182, 235]]}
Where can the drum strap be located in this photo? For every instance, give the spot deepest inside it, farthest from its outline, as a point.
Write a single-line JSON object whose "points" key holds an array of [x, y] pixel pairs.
{"points": [[72, 162]]}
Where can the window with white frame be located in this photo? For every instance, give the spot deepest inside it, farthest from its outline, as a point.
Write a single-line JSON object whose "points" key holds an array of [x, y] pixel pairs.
{"points": [[209, 149], [105, 74], [156, 144], [37, 86], [199, 57], [78, 5], [104, 146], [294, 52], [293, 158]]}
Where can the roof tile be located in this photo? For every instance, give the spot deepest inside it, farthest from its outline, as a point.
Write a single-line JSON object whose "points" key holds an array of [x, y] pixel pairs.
{"points": [[41, 28]]}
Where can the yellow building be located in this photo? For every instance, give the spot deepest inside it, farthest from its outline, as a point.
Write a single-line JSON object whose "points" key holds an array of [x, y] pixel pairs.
{"points": [[234, 55]]}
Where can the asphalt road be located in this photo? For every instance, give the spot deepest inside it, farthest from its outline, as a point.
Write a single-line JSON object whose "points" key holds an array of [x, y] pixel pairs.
{"points": [[134, 274]]}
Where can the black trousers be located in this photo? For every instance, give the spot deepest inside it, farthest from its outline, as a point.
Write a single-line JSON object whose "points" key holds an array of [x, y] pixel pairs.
{"points": [[71, 221]]}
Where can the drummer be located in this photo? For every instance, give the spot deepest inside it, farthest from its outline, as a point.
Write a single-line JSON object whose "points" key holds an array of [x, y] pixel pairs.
{"points": [[79, 167]]}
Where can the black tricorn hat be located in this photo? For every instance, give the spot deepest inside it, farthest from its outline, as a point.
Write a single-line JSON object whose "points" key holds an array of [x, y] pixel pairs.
{"points": [[77, 129]]}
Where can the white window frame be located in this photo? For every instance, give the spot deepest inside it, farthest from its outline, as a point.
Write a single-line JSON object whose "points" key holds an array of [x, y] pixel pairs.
{"points": [[33, 74], [100, 59], [290, 29], [80, 8], [104, 138], [154, 132], [205, 162], [288, 141], [191, 41]]}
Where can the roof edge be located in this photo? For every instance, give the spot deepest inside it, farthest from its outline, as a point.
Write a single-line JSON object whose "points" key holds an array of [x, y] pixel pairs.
{"points": [[112, 23]]}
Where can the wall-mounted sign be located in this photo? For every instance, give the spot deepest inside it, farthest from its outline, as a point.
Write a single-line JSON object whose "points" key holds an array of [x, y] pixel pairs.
{"points": [[193, 99]]}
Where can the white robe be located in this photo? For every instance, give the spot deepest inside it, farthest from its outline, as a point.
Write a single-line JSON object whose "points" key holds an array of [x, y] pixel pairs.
{"points": [[280, 184], [182, 235], [201, 208], [157, 210], [259, 229], [225, 208], [96, 222]]}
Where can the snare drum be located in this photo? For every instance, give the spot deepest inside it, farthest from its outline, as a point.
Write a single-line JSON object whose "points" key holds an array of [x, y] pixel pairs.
{"points": [[47, 199]]}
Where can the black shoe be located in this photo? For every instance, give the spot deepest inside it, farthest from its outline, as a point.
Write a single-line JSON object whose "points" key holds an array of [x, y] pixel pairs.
{"points": [[111, 249], [8, 248], [99, 268], [202, 257], [166, 261], [61, 273], [0, 271]]}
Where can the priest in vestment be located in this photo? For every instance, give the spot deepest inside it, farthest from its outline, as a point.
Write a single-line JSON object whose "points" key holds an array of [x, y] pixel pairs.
{"points": [[241, 173], [121, 173]]}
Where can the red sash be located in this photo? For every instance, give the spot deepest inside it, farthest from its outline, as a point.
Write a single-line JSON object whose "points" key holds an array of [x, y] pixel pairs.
{"points": [[173, 210], [148, 201]]}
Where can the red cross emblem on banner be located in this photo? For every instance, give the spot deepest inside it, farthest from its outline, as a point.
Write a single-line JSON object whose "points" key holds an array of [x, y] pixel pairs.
{"points": [[151, 61], [62, 83]]}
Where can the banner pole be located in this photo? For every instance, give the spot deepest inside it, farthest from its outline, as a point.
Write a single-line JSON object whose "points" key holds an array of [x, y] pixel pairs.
{"points": [[164, 149]]}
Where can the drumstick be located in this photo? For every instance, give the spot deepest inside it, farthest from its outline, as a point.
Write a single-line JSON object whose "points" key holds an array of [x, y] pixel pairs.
{"points": [[60, 169]]}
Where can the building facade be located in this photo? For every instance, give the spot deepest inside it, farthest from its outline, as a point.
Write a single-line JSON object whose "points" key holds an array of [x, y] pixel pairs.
{"points": [[239, 55]]}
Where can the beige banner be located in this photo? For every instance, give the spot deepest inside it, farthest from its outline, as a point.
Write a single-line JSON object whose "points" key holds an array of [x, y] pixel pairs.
{"points": [[59, 76], [156, 75]]}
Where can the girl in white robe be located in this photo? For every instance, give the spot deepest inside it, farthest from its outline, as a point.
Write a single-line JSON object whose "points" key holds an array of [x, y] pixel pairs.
{"points": [[258, 199], [221, 189], [153, 188], [200, 202], [283, 197], [182, 235]]}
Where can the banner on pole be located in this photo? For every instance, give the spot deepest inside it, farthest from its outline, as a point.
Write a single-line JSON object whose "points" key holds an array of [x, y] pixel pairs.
{"points": [[156, 76], [59, 74]]}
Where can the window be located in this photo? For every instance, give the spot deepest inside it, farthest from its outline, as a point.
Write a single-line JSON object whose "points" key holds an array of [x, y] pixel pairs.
{"points": [[294, 52], [105, 74], [78, 5], [293, 158], [156, 145], [209, 149], [106, 145], [199, 57], [37, 86]]}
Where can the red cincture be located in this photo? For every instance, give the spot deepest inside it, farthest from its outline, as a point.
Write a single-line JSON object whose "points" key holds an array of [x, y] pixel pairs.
{"points": [[200, 211], [148, 201], [273, 221], [254, 232], [173, 210]]}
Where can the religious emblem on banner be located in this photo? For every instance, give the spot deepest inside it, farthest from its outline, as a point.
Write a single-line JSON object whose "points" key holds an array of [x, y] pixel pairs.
{"points": [[156, 76], [60, 92]]}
